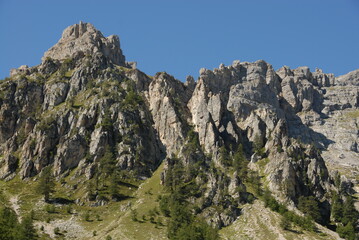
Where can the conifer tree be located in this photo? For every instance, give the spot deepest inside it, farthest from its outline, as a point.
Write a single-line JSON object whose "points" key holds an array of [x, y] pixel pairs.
{"points": [[27, 229], [46, 184], [8, 224]]}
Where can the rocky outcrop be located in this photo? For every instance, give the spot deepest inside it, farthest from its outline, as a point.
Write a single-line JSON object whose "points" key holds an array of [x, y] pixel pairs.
{"points": [[349, 79], [85, 39]]}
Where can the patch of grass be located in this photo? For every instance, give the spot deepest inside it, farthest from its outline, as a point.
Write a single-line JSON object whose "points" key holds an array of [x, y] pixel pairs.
{"points": [[352, 114], [68, 74], [262, 163]]}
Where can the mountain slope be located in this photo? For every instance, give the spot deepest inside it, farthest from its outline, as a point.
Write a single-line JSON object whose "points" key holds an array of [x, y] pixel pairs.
{"points": [[211, 146]]}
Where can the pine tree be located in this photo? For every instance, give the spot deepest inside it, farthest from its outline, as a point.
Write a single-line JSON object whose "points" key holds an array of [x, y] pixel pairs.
{"points": [[347, 231], [107, 162], [258, 145], [350, 214], [337, 209], [8, 224], [309, 206], [225, 159], [240, 163], [46, 184], [113, 187], [27, 229]]}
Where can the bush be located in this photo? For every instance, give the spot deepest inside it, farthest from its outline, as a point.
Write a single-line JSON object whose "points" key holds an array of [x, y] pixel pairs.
{"points": [[69, 209], [50, 208], [57, 231], [87, 216], [134, 215], [285, 223]]}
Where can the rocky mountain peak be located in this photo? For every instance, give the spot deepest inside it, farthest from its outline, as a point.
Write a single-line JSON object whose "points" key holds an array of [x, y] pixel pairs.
{"points": [[84, 39]]}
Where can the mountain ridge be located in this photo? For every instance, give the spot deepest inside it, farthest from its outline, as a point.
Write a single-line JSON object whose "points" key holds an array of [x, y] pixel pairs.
{"points": [[88, 113]]}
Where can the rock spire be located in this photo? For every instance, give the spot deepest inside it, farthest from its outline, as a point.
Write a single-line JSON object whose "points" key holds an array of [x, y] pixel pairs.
{"points": [[85, 39]]}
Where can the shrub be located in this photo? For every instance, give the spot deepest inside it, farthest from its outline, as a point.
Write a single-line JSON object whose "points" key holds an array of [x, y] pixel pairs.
{"points": [[134, 215], [57, 231], [50, 208], [69, 209], [285, 223], [87, 216]]}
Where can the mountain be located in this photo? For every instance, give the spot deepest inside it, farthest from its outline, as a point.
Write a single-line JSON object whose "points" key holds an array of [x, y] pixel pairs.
{"points": [[190, 157]]}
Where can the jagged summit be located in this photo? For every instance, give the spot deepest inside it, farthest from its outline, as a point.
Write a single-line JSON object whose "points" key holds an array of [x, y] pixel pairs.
{"points": [[85, 39]]}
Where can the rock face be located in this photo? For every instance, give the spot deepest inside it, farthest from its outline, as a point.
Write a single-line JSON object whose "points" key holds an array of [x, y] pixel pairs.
{"points": [[84, 103], [85, 39]]}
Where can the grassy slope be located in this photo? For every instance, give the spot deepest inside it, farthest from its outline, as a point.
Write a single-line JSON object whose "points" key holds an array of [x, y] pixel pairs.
{"points": [[122, 226]]}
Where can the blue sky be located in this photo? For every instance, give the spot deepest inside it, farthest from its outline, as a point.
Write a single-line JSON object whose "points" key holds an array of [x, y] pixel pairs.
{"points": [[182, 36]]}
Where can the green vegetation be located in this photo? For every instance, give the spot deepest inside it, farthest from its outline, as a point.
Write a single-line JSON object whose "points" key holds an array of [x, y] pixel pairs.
{"points": [[347, 231], [11, 229], [225, 158], [183, 223], [46, 183], [46, 123], [254, 182], [258, 146], [240, 163], [21, 136], [27, 229], [352, 114], [192, 144], [345, 214], [309, 206], [132, 99], [288, 217], [65, 66]]}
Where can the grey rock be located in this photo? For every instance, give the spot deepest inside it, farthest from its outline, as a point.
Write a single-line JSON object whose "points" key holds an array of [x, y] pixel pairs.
{"points": [[85, 38]]}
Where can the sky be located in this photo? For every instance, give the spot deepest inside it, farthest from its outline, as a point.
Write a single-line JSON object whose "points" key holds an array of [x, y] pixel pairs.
{"points": [[182, 36]]}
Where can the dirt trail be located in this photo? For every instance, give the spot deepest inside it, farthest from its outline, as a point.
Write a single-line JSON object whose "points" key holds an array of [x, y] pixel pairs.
{"points": [[14, 201]]}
